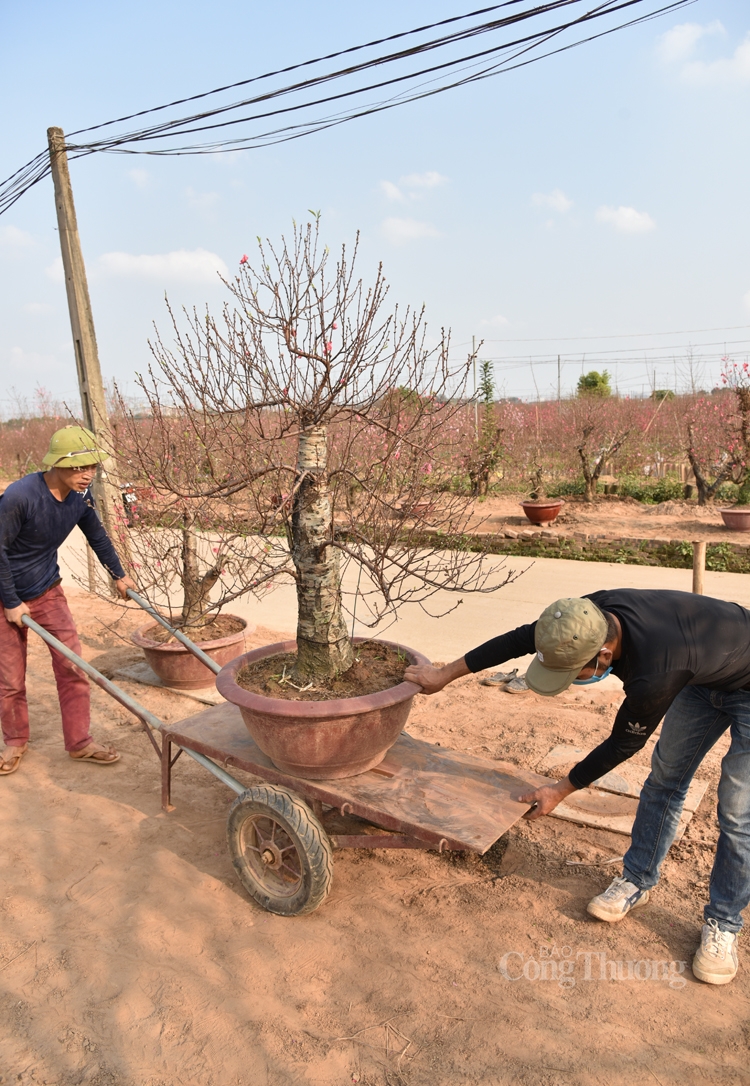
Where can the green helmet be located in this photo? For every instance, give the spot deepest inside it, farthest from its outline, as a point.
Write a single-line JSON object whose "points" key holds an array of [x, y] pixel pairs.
{"points": [[73, 447]]}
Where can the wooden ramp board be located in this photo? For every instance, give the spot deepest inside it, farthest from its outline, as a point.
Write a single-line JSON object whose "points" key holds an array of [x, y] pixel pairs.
{"points": [[436, 795], [612, 800], [626, 780], [141, 672]]}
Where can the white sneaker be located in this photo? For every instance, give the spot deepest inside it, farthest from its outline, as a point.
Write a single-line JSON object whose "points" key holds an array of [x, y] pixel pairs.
{"points": [[500, 679], [617, 900], [517, 686], [715, 960]]}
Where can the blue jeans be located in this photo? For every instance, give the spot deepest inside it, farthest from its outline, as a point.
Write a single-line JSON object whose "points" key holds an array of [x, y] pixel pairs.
{"points": [[693, 723]]}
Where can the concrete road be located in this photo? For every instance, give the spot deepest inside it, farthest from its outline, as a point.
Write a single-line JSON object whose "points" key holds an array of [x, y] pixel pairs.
{"points": [[479, 616]]}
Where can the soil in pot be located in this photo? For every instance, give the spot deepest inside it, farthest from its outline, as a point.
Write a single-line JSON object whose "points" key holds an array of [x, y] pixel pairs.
{"points": [[327, 737], [376, 667], [221, 626], [223, 639]]}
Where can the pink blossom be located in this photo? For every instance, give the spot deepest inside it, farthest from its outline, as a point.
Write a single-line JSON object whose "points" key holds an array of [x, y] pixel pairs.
{"points": [[334, 326], [427, 469], [243, 258], [329, 347], [215, 550]]}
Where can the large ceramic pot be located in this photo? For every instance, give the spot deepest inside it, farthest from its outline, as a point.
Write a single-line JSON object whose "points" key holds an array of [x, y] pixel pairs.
{"points": [[737, 519], [321, 740], [543, 512], [177, 667]]}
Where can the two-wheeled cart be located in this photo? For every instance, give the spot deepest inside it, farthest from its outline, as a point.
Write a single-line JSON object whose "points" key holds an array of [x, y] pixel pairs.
{"points": [[282, 830]]}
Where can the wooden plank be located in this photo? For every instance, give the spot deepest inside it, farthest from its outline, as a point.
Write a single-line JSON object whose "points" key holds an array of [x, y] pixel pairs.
{"points": [[140, 672], [425, 791], [626, 780]]}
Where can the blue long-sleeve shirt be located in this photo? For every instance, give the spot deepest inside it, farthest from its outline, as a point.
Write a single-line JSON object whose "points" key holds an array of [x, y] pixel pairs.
{"points": [[33, 524]]}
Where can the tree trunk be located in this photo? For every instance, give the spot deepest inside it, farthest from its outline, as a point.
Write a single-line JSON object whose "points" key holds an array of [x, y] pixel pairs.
{"points": [[323, 646], [196, 588]]}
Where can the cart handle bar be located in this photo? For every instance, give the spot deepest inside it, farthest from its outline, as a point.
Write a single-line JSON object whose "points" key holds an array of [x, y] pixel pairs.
{"points": [[190, 645], [129, 703]]}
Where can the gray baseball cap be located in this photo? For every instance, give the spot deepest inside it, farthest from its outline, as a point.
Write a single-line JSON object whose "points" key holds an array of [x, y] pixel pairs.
{"points": [[568, 634]]}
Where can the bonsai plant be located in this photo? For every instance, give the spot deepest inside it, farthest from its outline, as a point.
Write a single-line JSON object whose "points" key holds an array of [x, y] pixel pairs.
{"points": [[308, 392], [189, 548], [486, 450]]}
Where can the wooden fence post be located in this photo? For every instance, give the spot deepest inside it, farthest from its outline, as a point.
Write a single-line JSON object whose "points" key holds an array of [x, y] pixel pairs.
{"points": [[699, 566]]}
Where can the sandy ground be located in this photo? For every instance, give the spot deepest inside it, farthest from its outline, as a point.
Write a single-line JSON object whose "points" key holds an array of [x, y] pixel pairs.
{"points": [[131, 956], [617, 518]]}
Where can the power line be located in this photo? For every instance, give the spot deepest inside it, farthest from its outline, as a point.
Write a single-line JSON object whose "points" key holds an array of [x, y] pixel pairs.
{"points": [[624, 335], [473, 67]]}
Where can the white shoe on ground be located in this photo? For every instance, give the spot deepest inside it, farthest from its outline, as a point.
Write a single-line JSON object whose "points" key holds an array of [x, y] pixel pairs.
{"points": [[617, 900], [517, 686], [715, 960], [499, 679]]}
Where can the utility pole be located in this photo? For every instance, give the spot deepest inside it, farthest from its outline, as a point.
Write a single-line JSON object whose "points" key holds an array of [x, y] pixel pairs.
{"points": [[559, 396], [93, 405]]}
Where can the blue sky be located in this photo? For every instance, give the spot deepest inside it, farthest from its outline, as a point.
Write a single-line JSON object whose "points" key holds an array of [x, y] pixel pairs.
{"points": [[593, 205]]}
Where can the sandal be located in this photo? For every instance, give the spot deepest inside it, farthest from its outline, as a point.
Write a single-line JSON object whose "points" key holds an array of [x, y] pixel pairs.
{"points": [[96, 755], [10, 759]]}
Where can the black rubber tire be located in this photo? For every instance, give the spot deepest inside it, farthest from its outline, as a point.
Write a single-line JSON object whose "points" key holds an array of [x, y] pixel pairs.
{"points": [[251, 817]]}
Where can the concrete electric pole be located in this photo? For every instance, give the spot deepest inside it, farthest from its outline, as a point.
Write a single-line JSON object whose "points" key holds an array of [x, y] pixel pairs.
{"points": [[93, 404]]}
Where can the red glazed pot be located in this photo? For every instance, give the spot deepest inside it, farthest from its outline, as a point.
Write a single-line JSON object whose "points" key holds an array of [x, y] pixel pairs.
{"points": [[736, 519], [321, 740], [177, 667], [543, 512]]}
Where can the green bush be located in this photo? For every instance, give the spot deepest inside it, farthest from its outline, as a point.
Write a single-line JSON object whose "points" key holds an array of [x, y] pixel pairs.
{"points": [[569, 489], [650, 491]]}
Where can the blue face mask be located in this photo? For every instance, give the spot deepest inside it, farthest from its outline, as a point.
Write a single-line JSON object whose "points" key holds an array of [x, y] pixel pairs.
{"points": [[594, 678]]}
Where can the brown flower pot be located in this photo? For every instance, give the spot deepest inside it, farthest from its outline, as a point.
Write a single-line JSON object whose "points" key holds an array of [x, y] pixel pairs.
{"points": [[321, 740], [177, 667], [543, 512], [736, 519]]}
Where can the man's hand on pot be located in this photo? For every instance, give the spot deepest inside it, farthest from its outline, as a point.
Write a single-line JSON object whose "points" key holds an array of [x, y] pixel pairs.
{"points": [[432, 679], [123, 585], [13, 614], [546, 798]]}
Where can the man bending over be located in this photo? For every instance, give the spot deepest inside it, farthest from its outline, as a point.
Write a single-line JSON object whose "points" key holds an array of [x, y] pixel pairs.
{"points": [[682, 657]]}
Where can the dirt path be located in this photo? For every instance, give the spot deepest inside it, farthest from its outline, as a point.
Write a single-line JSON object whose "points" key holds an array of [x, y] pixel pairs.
{"points": [[130, 956]]}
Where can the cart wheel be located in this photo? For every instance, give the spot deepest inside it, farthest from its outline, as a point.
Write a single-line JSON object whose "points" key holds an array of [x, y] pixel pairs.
{"points": [[280, 851]]}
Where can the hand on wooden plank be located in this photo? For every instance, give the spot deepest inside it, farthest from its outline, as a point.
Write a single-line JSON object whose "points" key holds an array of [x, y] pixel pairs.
{"points": [[546, 798]]}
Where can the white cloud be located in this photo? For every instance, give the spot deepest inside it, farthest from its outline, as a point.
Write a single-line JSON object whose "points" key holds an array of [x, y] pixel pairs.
{"points": [[391, 191], [734, 69], [626, 219], [182, 266], [429, 180], [399, 231], [15, 238], [556, 199], [496, 322], [201, 200], [412, 185], [140, 178], [678, 44], [55, 271]]}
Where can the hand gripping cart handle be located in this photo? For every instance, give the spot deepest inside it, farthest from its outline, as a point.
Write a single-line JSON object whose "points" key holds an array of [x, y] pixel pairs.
{"points": [[150, 722]]}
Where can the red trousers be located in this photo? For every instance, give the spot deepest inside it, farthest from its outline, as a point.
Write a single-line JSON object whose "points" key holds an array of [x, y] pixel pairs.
{"points": [[51, 611]]}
